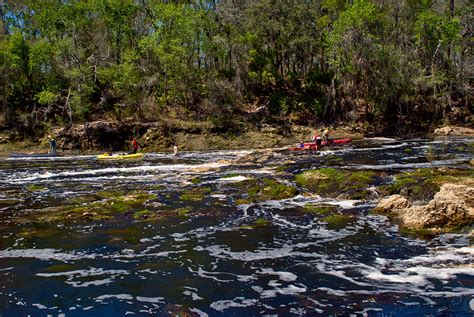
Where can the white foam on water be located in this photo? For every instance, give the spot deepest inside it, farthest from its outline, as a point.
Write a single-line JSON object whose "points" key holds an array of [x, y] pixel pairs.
{"points": [[194, 296], [284, 276], [380, 139], [441, 273], [234, 179], [257, 255], [155, 300], [200, 313], [209, 275], [72, 276], [331, 291], [344, 204], [126, 297], [236, 302], [45, 254], [471, 304], [398, 278], [219, 196], [326, 235], [244, 208], [407, 165], [39, 306], [121, 170], [282, 221]]}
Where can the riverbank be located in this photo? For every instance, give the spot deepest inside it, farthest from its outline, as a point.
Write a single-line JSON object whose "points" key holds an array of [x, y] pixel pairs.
{"points": [[154, 137], [99, 136]]}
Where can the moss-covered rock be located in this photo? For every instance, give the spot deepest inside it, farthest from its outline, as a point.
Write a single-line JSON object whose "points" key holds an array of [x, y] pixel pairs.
{"points": [[330, 182], [258, 223], [196, 180], [196, 194], [143, 214], [184, 211], [35, 188], [93, 211], [338, 221], [257, 190], [320, 209], [422, 184]]}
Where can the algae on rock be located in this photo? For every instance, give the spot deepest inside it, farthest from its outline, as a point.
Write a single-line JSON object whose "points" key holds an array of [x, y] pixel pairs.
{"points": [[330, 182]]}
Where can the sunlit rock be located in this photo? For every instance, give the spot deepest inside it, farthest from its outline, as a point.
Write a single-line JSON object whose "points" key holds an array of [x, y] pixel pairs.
{"points": [[452, 208]]}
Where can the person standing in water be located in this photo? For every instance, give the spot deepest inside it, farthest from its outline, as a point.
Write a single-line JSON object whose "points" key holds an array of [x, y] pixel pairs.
{"points": [[52, 145], [135, 146], [175, 149], [326, 135]]}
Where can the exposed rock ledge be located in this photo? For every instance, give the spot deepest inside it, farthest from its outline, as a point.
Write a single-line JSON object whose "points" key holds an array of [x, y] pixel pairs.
{"points": [[454, 130], [451, 208]]}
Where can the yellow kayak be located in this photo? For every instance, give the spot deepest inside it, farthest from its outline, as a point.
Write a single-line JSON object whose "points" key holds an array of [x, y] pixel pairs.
{"points": [[107, 156]]}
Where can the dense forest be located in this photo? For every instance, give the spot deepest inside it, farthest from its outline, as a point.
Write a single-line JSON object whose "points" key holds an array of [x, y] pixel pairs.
{"points": [[74, 61]]}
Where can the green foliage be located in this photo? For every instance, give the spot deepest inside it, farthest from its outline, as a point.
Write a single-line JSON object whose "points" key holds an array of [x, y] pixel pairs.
{"points": [[140, 58], [46, 97], [432, 29]]}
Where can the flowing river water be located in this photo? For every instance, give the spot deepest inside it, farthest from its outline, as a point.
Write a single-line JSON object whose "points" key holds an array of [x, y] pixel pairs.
{"points": [[209, 262]]}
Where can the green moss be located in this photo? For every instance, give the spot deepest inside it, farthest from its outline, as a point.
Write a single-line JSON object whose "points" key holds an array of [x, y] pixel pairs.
{"points": [[242, 201], [35, 188], [37, 233], [337, 221], [196, 180], [196, 194], [418, 233], [94, 211], [422, 184], [109, 194], [281, 168], [267, 189], [332, 182], [230, 175], [261, 222], [184, 211], [143, 214], [320, 209]]}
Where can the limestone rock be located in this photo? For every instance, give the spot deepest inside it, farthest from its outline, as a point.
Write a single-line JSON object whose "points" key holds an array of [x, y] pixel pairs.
{"points": [[454, 130], [394, 204], [451, 208]]}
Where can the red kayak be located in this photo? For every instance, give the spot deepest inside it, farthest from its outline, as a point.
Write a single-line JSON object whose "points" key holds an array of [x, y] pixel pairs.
{"points": [[312, 145]]}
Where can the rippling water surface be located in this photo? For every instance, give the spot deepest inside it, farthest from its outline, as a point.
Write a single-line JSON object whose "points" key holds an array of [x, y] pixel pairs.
{"points": [[209, 264]]}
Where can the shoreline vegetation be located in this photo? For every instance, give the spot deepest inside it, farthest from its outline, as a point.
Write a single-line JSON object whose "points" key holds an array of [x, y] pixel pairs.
{"points": [[99, 72]]}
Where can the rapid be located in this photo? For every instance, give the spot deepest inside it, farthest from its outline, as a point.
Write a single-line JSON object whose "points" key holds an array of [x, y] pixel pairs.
{"points": [[210, 262]]}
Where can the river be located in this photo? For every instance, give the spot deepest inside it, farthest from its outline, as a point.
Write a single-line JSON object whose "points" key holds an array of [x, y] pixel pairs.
{"points": [[208, 262]]}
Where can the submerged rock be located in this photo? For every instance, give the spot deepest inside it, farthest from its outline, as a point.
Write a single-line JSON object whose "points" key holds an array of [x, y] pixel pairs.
{"points": [[452, 208]]}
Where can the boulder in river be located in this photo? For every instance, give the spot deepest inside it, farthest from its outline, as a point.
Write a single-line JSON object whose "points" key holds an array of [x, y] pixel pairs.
{"points": [[452, 208]]}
